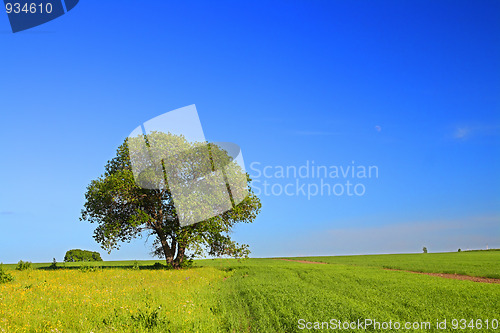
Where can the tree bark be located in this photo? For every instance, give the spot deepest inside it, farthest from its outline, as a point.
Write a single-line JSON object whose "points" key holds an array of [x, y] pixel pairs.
{"points": [[168, 251], [180, 256], [169, 257]]}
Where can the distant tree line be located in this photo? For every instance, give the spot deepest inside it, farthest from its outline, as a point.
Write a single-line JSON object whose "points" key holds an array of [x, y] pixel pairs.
{"points": [[81, 255], [479, 250]]}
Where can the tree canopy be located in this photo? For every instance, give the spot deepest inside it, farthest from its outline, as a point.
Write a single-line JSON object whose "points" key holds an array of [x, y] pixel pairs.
{"points": [[164, 196], [81, 255]]}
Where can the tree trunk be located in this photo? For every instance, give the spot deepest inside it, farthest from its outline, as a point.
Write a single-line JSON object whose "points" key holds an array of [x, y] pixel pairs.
{"points": [[180, 256], [169, 257], [168, 251]]}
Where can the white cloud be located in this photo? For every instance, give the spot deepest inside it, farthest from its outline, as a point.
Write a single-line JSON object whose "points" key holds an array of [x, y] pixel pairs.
{"points": [[466, 132], [437, 236], [461, 133]]}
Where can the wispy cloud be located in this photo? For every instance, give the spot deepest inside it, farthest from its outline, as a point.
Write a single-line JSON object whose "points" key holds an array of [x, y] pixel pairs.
{"points": [[467, 233], [6, 212], [466, 132], [462, 133]]}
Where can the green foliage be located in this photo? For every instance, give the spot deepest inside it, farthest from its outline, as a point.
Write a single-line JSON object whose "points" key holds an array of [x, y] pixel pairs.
{"points": [[189, 262], [459, 250], [4, 276], [23, 265], [123, 210], [53, 265], [158, 265], [85, 268], [135, 265], [148, 318], [81, 255], [424, 249]]}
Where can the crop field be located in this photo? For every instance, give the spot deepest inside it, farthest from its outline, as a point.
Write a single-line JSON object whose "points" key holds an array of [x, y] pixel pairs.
{"points": [[474, 263], [272, 296], [254, 295]]}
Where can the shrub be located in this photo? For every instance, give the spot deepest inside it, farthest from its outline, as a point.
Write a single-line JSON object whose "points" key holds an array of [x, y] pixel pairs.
{"points": [[424, 249], [459, 250], [4, 276], [54, 264], [158, 265], [23, 265], [88, 268], [188, 263], [81, 255], [148, 318]]}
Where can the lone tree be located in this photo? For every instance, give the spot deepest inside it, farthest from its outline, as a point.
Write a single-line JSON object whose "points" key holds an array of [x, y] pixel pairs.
{"points": [[124, 210], [79, 255]]}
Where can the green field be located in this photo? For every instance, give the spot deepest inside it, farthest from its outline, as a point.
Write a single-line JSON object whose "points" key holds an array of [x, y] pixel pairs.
{"points": [[473, 263], [255, 295]]}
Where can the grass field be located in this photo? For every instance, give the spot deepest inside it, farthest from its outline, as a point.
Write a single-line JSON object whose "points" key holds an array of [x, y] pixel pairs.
{"points": [[107, 300], [474, 263], [255, 295]]}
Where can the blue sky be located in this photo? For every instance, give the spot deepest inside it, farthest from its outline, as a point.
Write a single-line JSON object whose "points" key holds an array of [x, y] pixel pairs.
{"points": [[411, 87]]}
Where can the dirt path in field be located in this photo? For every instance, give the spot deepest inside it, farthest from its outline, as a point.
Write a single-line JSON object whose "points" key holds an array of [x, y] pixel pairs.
{"points": [[443, 275], [302, 261], [453, 276]]}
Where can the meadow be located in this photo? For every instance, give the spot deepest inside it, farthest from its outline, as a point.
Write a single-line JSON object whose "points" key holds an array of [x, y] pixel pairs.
{"points": [[254, 295], [473, 263], [107, 300]]}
